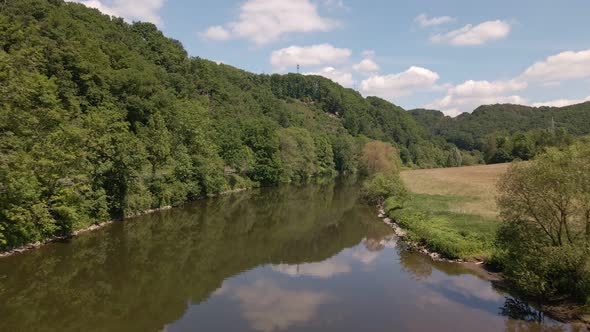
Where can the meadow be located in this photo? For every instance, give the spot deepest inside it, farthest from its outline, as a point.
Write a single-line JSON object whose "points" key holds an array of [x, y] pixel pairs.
{"points": [[452, 210]]}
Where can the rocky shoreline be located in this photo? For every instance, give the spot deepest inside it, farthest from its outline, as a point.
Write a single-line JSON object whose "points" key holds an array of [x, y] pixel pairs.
{"points": [[402, 234]]}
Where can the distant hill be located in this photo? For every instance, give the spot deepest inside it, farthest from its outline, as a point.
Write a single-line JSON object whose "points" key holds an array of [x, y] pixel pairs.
{"points": [[469, 129]]}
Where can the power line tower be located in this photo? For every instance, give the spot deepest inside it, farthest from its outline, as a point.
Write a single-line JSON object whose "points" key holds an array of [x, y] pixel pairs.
{"points": [[552, 125], [297, 68]]}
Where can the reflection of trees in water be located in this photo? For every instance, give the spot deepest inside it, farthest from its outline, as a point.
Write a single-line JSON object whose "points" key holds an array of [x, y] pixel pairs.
{"points": [[516, 309], [139, 275], [525, 318], [416, 264]]}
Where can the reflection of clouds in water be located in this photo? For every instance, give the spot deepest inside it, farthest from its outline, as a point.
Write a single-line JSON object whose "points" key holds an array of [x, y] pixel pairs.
{"points": [[339, 264], [471, 292], [364, 256], [468, 287], [267, 307], [326, 269]]}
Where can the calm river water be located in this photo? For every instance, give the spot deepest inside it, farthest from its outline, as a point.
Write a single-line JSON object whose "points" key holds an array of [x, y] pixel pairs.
{"points": [[308, 258]]}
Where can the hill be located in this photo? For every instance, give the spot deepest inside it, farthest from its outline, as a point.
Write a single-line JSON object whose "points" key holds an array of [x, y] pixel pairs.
{"points": [[469, 130], [102, 119]]}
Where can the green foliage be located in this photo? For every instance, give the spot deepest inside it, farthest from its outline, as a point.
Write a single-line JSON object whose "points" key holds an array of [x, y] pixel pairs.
{"points": [[428, 220], [545, 237], [298, 154], [508, 132], [380, 157], [455, 158], [384, 185]]}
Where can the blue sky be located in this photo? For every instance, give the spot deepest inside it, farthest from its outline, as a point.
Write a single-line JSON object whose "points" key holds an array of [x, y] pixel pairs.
{"points": [[448, 55]]}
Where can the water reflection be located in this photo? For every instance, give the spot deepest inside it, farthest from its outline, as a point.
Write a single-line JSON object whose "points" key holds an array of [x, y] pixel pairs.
{"points": [[268, 307], [326, 269], [309, 258]]}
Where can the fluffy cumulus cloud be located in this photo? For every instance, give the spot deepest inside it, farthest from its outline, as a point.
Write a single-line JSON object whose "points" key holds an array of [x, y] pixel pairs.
{"points": [[341, 77], [400, 84], [550, 72], [424, 21], [264, 21], [130, 10], [561, 102], [485, 88], [563, 66], [314, 55], [366, 66], [468, 95], [474, 35], [453, 105], [217, 32]]}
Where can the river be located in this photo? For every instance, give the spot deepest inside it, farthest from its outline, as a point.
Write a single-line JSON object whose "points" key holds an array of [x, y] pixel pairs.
{"points": [[308, 258]]}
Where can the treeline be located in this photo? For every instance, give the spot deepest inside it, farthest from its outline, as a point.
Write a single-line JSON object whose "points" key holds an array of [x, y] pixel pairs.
{"points": [[506, 132], [102, 119]]}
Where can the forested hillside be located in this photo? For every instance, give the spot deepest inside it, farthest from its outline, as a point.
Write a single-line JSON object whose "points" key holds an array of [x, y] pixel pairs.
{"points": [[504, 132], [102, 119]]}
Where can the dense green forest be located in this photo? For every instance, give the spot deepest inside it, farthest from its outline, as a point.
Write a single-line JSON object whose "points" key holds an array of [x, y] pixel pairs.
{"points": [[101, 119], [505, 132]]}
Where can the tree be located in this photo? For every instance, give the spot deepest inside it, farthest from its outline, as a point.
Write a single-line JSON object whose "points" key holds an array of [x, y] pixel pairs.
{"points": [[379, 156], [157, 139], [298, 154], [455, 159], [382, 186], [545, 237]]}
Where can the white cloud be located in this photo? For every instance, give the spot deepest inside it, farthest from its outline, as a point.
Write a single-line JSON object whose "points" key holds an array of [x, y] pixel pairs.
{"points": [[264, 21], [468, 95], [424, 21], [561, 102], [401, 84], [366, 66], [130, 10], [453, 105], [485, 88], [563, 66], [341, 77], [474, 35], [314, 55], [216, 32]]}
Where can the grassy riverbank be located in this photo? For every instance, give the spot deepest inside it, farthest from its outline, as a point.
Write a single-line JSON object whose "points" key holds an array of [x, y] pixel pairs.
{"points": [[452, 211]]}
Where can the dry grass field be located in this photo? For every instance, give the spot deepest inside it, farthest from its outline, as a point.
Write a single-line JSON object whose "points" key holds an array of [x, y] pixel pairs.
{"points": [[475, 185]]}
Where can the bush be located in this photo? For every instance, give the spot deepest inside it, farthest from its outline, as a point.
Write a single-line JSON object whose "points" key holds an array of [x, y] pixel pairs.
{"points": [[382, 186]]}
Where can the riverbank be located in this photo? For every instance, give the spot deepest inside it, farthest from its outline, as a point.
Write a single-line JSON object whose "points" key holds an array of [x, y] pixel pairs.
{"points": [[451, 216], [75, 233], [451, 211], [93, 227], [566, 312]]}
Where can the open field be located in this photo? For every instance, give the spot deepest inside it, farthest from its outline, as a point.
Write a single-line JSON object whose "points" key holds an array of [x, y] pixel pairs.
{"points": [[452, 210], [473, 186]]}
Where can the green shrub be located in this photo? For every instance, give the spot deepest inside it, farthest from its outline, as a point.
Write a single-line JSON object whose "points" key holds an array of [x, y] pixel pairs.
{"points": [[382, 186]]}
